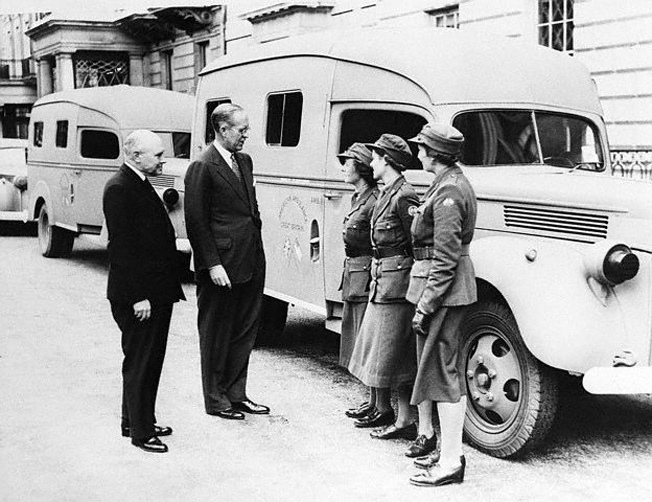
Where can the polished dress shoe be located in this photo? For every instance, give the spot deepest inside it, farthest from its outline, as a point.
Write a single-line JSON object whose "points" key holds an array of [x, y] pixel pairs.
{"points": [[393, 432], [429, 461], [151, 445], [435, 476], [422, 446], [248, 406], [361, 411], [158, 431], [375, 419], [229, 414]]}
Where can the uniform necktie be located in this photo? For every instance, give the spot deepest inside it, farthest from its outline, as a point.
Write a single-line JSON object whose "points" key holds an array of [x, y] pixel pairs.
{"points": [[235, 167]]}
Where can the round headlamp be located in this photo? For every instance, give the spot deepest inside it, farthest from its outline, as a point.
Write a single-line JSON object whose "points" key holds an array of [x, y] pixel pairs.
{"points": [[170, 196]]}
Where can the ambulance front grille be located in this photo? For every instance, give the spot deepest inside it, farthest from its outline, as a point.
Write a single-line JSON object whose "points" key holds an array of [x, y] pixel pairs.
{"points": [[557, 221]]}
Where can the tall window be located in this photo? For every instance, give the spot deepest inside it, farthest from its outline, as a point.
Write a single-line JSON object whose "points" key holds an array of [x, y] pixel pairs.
{"points": [[556, 24], [166, 69], [448, 17]]}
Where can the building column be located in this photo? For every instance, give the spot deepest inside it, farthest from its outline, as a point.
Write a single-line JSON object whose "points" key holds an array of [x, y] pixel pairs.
{"points": [[136, 70], [44, 77], [66, 73]]}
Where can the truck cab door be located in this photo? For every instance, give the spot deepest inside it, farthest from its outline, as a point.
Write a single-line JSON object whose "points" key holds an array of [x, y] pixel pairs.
{"points": [[349, 123]]}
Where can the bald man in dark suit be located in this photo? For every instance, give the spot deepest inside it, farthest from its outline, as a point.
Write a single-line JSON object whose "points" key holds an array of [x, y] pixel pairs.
{"points": [[223, 225], [143, 283]]}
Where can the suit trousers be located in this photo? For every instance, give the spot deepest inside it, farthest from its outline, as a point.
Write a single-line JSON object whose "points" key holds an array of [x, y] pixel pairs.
{"points": [[143, 346], [228, 321]]}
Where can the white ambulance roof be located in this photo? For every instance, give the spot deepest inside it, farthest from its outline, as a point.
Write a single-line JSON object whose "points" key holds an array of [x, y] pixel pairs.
{"points": [[452, 66], [132, 107]]}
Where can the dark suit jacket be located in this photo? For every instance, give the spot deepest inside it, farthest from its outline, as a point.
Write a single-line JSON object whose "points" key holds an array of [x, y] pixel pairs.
{"points": [[222, 217], [143, 262]]}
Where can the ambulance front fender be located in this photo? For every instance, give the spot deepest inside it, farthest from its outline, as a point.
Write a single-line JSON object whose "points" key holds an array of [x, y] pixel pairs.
{"points": [[566, 319]]}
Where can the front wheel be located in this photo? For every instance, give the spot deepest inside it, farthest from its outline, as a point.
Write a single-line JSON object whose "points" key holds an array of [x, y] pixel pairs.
{"points": [[54, 242], [512, 397]]}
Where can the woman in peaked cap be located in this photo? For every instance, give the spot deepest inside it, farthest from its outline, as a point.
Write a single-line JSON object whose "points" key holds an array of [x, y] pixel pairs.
{"points": [[356, 168], [383, 356], [442, 284]]}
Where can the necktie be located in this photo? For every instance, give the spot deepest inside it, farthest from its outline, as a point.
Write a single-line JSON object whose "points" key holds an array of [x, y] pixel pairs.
{"points": [[235, 167]]}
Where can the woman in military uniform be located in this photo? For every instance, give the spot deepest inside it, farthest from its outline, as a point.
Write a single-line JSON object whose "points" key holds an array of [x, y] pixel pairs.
{"points": [[383, 356], [356, 168], [442, 284]]}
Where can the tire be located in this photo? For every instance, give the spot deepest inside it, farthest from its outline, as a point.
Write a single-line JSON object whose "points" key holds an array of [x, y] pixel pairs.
{"points": [[512, 397], [272, 321], [54, 242]]}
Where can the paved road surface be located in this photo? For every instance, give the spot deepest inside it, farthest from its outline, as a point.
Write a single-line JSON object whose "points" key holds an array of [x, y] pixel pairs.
{"points": [[59, 415]]}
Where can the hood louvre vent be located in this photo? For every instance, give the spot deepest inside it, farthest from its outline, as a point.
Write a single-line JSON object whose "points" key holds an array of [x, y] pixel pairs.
{"points": [[556, 221], [162, 181]]}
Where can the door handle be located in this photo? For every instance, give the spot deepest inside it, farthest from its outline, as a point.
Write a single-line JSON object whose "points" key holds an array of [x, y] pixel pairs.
{"points": [[77, 172], [332, 196]]}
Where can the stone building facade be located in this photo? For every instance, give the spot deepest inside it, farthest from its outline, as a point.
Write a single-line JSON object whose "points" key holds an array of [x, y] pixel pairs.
{"points": [[163, 48], [17, 76]]}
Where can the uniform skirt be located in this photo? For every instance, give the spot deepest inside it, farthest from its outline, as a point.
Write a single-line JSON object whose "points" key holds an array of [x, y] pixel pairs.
{"points": [[440, 373], [384, 352], [352, 316]]}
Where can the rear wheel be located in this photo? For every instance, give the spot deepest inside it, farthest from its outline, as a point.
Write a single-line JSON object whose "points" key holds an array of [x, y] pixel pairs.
{"points": [[512, 397], [54, 242], [272, 321]]}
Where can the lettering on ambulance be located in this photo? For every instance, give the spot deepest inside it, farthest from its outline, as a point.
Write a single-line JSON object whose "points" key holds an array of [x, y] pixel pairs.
{"points": [[292, 218]]}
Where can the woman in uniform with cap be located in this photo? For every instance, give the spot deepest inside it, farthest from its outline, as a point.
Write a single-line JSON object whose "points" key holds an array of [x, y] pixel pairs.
{"points": [[383, 356], [356, 168], [442, 284]]}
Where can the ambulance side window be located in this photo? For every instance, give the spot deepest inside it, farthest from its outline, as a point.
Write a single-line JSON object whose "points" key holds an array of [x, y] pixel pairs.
{"points": [[38, 134], [284, 119], [366, 126], [210, 106], [99, 145]]}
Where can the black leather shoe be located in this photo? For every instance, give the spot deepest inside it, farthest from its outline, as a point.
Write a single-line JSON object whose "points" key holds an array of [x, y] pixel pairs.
{"points": [[427, 461], [393, 432], [152, 445], [422, 446], [430, 461], [229, 414], [248, 406], [434, 477], [361, 411], [158, 431], [375, 419]]}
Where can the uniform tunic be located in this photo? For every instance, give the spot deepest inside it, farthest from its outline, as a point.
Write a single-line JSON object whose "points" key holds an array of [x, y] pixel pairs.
{"points": [[384, 351], [357, 265], [442, 282]]}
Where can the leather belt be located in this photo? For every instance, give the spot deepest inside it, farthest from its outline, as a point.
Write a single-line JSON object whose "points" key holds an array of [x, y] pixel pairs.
{"points": [[387, 252], [428, 252], [354, 253]]}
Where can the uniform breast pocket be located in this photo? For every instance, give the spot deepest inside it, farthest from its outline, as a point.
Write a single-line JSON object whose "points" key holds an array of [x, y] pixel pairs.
{"points": [[357, 234], [387, 233]]}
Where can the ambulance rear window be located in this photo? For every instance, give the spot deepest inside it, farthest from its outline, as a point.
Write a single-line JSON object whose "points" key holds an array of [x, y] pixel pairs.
{"points": [[284, 118], [99, 145]]}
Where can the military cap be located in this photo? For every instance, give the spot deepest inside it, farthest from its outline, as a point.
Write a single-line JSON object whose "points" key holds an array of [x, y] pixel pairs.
{"points": [[441, 138], [357, 151], [395, 148]]}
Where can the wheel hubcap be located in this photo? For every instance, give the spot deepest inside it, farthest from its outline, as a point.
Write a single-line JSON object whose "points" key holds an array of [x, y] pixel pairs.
{"points": [[493, 377]]}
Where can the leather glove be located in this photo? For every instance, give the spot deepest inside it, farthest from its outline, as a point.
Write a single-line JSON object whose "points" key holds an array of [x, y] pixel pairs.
{"points": [[421, 323]]}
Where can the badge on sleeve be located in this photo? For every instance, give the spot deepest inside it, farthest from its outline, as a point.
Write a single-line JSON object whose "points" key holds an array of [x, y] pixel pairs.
{"points": [[448, 202], [412, 210]]}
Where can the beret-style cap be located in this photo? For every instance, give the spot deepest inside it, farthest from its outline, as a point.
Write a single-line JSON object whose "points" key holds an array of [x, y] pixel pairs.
{"points": [[441, 138], [359, 152], [395, 147]]}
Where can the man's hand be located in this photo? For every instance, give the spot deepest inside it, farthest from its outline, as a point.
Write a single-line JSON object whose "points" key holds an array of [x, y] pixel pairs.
{"points": [[142, 310], [219, 276], [421, 323]]}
